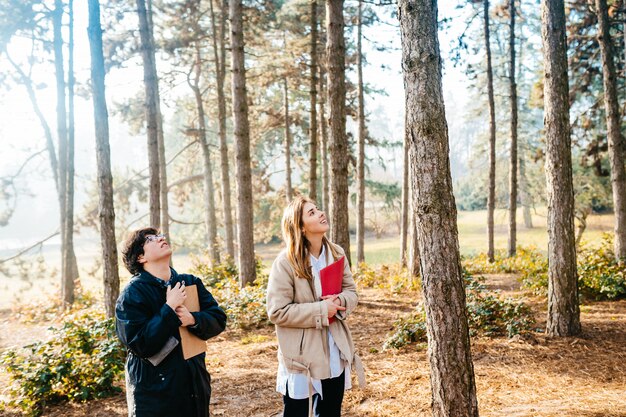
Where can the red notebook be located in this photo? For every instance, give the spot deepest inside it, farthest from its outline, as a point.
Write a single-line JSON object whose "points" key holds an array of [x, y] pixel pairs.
{"points": [[331, 278]]}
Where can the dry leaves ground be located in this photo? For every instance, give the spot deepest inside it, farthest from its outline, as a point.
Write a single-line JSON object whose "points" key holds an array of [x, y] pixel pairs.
{"points": [[524, 376]]}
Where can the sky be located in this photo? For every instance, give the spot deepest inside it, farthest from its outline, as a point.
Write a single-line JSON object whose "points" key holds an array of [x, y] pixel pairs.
{"points": [[36, 214]]}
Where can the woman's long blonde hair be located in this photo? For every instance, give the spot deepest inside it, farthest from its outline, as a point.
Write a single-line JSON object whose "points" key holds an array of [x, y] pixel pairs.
{"points": [[297, 244]]}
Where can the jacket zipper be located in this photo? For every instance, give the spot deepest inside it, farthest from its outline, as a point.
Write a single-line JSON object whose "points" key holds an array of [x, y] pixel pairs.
{"points": [[302, 342]]}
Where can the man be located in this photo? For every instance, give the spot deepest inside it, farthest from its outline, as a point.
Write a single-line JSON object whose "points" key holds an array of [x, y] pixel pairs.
{"points": [[149, 312]]}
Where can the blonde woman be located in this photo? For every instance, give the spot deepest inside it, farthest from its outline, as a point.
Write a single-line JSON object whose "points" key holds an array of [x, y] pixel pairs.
{"points": [[315, 351]]}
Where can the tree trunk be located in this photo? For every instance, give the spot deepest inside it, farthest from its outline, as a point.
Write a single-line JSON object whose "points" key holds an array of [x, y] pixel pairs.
{"points": [[313, 110], [324, 128], [404, 221], [451, 370], [491, 196], [67, 280], [513, 160], [613, 124], [111, 279], [339, 147], [210, 221], [360, 166], [563, 309], [247, 270], [524, 194], [70, 256], [414, 255], [288, 187], [220, 74], [151, 107]]}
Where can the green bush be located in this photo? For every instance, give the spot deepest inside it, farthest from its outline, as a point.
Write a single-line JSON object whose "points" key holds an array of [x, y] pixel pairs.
{"points": [[487, 315], [245, 307], [83, 360], [392, 277], [600, 276]]}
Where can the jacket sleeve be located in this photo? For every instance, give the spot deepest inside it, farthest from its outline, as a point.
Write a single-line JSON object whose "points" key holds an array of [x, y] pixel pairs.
{"points": [[211, 319], [281, 306], [348, 295], [141, 331]]}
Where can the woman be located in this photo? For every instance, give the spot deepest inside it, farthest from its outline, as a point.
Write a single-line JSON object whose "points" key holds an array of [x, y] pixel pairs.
{"points": [[315, 345]]}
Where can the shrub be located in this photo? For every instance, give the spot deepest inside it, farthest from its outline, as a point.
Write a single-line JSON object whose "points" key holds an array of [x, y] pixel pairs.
{"points": [[82, 361], [393, 277], [487, 315], [600, 276], [245, 307]]}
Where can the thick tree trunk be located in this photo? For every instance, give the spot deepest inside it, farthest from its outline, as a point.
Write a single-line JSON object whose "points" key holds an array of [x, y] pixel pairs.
{"points": [[220, 74], [491, 196], [313, 110], [452, 373], [360, 165], [563, 309], [613, 124], [324, 129], [67, 280], [339, 148], [288, 187], [404, 219], [513, 156], [247, 270], [151, 108], [111, 279], [210, 221]]}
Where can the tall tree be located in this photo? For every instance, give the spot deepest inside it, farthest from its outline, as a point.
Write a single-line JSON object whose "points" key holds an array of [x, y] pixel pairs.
{"points": [[313, 110], [404, 220], [613, 124], [451, 369], [324, 144], [339, 148], [491, 196], [513, 156], [247, 270], [563, 309], [288, 186], [360, 165], [153, 119], [71, 82], [219, 54], [111, 279]]}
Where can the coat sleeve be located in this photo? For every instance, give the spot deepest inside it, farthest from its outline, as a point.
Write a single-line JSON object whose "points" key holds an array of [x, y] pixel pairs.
{"points": [[143, 332], [281, 306], [211, 319], [348, 295]]}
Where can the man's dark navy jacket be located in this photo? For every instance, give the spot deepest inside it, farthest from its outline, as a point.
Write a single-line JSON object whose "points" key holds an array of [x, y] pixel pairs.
{"points": [[175, 387]]}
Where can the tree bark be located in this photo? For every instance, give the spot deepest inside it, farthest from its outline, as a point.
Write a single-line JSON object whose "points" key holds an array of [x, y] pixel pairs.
{"points": [[491, 196], [210, 221], [72, 264], [247, 270], [613, 124], [360, 166], [151, 109], [111, 279], [513, 156], [563, 310], [339, 148], [313, 110], [220, 72], [404, 220], [451, 370], [288, 187], [324, 129], [414, 254]]}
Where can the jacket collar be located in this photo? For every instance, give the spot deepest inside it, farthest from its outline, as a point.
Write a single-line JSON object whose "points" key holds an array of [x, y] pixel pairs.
{"points": [[148, 278]]}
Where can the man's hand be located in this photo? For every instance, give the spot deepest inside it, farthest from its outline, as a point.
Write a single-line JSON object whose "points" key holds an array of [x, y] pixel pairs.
{"points": [[176, 295], [334, 304], [185, 316]]}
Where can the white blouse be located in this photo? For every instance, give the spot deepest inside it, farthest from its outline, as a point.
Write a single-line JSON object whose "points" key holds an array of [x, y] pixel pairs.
{"points": [[298, 383]]}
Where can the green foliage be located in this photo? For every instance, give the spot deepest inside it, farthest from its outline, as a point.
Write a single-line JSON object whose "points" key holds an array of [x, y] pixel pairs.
{"points": [[600, 276], [487, 315], [245, 307], [392, 277], [83, 360], [470, 195]]}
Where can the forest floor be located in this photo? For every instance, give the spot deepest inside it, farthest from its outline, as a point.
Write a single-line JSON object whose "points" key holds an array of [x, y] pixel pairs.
{"points": [[532, 375]]}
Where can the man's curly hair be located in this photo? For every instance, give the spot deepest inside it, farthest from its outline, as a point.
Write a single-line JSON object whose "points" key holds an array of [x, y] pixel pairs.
{"points": [[133, 248]]}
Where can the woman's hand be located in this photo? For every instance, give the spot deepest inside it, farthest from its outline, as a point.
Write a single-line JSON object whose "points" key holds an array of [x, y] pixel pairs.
{"points": [[175, 295], [185, 316], [333, 303]]}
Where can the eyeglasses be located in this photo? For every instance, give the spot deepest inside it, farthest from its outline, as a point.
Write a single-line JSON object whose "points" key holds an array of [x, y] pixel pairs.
{"points": [[154, 238]]}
